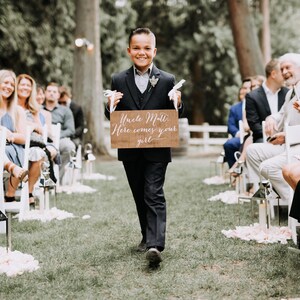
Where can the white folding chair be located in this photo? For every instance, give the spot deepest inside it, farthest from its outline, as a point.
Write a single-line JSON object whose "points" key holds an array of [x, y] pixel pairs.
{"points": [[3, 217], [263, 124], [45, 183], [273, 198], [89, 159], [55, 130], [73, 170], [292, 137], [2, 154], [23, 205], [241, 181]]}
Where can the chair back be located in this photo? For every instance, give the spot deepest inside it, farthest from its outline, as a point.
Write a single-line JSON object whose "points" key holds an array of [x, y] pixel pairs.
{"points": [[242, 131], [45, 133], [263, 124], [2, 154], [292, 137], [23, 205], [55, 129]]}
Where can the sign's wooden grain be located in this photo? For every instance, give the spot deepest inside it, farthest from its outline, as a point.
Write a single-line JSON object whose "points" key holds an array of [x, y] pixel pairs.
{"points": [[144, 129]]}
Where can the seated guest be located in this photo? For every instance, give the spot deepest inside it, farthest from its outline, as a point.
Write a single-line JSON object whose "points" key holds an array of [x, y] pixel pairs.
{"points": [[65, 99], [63, 115], [13, 118], [235, 115], [256, 82], [268, 159], [265, 100], [26, 90]]}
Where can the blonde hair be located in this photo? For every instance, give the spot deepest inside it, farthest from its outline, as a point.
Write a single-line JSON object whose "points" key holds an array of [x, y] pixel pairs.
{"points": [[12, 100], [31, 103]]}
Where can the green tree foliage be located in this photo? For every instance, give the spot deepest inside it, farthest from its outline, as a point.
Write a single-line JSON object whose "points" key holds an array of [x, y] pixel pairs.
{"points": [[116, 21], [37, 38], [194, 42], [285, 24]]}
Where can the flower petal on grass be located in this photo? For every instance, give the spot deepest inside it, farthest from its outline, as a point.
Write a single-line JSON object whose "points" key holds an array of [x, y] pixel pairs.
{"points": [[13, 263], [215, 180], [229, 197], [260, 234], [46, 215]]}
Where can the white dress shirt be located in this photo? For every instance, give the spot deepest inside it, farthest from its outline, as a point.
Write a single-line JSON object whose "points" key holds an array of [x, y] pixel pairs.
{"points": [[272, 98]]}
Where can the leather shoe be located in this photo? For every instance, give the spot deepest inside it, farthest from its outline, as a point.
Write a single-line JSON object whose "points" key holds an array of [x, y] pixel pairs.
{"points": [[154, 257], [141, 247]]}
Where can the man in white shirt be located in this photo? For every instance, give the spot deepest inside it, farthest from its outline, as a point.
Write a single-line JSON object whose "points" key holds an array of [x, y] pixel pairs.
{"points": [[267, 159], [265, 100]]}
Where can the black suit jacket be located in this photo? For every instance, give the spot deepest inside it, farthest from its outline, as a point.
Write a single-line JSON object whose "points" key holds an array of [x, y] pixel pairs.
{"points": [[78, 119], [257, 109], [155, 98]]}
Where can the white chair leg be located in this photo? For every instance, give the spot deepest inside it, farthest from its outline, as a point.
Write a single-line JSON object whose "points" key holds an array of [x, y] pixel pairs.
{"points": [[42, 200], [47, 198], [9, 221]]}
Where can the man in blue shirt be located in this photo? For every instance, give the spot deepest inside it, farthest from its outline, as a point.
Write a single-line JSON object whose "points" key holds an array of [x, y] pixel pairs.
{"points": [[63, 115]]}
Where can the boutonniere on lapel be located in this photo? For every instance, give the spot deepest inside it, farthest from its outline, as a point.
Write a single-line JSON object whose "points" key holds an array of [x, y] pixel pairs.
{"points": [[153, 81]]}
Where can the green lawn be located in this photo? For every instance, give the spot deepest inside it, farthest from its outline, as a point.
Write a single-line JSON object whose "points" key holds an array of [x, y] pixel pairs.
{"points": [[94, 258]]}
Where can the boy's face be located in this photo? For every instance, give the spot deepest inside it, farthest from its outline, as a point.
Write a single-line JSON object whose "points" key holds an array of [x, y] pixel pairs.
{"points": [[142, 51]]}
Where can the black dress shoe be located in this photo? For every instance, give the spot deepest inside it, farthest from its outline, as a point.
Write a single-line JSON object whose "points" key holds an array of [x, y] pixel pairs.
{"points": [[141, 247], [154, 257]]}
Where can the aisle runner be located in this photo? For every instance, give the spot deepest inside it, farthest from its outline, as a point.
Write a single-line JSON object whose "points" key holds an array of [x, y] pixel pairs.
{"points": [[16, 263], [260, 234], [216, 180]]}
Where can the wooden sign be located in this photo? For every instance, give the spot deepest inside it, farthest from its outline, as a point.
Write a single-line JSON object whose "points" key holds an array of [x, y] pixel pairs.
{"points": [[144, 129]]}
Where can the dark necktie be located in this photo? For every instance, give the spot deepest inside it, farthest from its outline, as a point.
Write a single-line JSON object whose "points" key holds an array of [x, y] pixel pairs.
{"points": [[293, 93]]}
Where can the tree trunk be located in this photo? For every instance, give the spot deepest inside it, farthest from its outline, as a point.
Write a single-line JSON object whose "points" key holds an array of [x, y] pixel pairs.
{"points": [[265, 37], [245, 39], [197, 94], [87, 75]]}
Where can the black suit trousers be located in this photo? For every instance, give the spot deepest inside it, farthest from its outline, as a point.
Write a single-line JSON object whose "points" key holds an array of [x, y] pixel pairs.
{"points": [[146, 180]]}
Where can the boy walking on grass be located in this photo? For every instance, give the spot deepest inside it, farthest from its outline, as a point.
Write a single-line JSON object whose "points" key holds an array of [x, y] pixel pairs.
{"points": [[145, 87]]}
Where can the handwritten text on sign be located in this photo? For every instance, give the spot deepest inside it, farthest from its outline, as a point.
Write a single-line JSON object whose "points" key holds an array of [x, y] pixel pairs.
{"points": [[144, 129]]}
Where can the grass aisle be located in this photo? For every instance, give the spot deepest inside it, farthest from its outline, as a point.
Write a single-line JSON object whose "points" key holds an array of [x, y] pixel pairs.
{"points": [[94, 258]]}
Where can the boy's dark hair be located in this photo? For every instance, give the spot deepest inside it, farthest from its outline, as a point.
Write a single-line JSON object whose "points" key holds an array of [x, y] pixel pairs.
{"points": [[142, 30]]}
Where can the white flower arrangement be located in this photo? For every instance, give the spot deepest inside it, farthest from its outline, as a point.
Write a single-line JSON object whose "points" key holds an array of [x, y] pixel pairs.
{"points": [[153, 81]]}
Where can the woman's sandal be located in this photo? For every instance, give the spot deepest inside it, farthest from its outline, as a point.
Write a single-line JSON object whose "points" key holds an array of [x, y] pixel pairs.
{"points": [[17, 171], [31, 201], [9, 199]]}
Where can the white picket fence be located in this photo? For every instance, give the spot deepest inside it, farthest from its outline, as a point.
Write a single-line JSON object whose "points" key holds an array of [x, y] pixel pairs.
{"points": [[206, 141]]}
